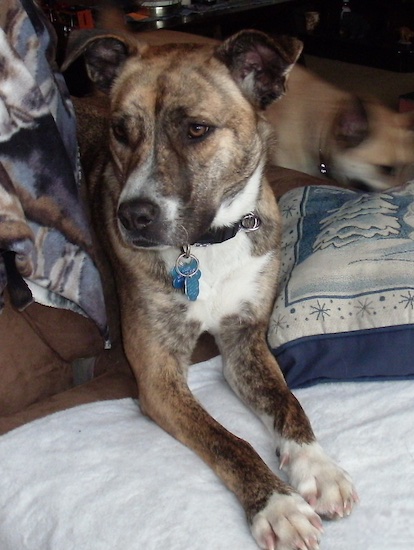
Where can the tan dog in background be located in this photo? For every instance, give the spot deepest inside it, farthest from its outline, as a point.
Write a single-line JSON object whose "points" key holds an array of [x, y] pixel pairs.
{"points": [[323, 130], [183, 165]]}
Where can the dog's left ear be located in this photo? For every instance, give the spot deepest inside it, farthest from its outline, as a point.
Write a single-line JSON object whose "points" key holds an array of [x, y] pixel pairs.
{"points": [[259, 63]]}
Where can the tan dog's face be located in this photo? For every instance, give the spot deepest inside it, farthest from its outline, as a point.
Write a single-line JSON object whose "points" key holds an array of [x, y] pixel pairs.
{"points": [[383, 153], [186, 138]]}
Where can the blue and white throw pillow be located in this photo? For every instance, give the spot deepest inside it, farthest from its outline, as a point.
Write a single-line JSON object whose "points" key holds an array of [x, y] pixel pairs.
{"points": [[345, 307]]}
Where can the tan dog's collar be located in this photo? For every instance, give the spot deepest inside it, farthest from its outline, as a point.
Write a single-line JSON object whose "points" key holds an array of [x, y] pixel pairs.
{"points": [[323, 165]]}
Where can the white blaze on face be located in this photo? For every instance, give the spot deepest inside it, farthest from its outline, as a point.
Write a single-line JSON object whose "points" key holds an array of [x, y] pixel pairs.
{"points": [[138, 186]]}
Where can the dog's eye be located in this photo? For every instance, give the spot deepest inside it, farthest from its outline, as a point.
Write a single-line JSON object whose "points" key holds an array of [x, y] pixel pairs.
{"points": [[198, 131], [387, 170], [120, 132]]}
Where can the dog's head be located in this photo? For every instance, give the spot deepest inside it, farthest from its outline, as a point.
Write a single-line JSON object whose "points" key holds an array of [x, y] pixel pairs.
{"points": [[373, 146], [186, 150]]}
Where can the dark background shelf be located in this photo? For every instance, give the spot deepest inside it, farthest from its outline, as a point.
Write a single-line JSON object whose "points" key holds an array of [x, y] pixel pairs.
{"points": [[370, 36]]}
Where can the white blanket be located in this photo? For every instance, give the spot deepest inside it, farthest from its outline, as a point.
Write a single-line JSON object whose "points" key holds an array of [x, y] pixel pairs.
{"points": [[104, 477]]}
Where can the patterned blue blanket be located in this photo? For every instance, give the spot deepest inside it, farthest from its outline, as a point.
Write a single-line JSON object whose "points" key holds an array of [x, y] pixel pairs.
{"points": [[46, 251]]}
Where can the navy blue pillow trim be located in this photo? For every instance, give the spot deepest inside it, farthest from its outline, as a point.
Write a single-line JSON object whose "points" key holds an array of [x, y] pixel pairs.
{"points": [[375, 354]]}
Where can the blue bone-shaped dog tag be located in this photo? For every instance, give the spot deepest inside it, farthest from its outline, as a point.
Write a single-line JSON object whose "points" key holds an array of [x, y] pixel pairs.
{"points": [[185, 275], [191, 286]]}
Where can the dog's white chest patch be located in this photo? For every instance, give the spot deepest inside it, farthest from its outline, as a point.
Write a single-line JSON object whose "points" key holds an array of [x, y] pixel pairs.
{"points": [[229, 278]]}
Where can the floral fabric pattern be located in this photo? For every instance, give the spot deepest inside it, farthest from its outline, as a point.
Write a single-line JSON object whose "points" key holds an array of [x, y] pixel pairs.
{"points": [[46, 252]]}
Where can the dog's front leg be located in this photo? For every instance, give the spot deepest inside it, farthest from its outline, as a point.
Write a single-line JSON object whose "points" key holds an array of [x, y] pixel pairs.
{"points": [[166, 398], [254, 374]]}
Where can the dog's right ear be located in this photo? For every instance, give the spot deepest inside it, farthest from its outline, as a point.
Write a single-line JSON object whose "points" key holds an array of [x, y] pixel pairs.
{"points": [[104, 54]]}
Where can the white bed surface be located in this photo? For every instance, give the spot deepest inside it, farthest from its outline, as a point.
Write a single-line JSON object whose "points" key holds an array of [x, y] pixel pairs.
{"points": [[104, 477]]}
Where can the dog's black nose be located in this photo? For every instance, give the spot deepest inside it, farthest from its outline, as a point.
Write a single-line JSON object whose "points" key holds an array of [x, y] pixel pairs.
{"points": [[136, 215]]}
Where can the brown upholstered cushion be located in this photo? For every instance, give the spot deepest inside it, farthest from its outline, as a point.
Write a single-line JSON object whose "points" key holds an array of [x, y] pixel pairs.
{"points": [[36, 350]]}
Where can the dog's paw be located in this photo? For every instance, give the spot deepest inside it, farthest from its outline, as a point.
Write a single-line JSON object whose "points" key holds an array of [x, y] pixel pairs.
{"points": [[287, 523], [321, 482]]}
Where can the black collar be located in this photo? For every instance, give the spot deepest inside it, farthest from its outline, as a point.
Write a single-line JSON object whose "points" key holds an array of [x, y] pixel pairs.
{"points": [[249, 222]]}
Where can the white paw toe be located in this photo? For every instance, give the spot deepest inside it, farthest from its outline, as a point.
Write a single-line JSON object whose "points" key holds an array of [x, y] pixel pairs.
{"points": [[321, 482], [287, 523]]}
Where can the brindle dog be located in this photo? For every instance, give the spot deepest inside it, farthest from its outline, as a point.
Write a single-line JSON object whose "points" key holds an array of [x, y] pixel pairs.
{"points": [[192, 229]]}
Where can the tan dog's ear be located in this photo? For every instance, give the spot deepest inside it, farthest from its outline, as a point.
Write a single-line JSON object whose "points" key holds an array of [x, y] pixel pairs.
{"points": [[259, 63], [351, 124], [104, 53]]}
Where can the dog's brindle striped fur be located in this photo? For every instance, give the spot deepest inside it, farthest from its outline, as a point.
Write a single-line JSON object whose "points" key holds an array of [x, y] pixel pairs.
{"points": [[186, 152]]}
